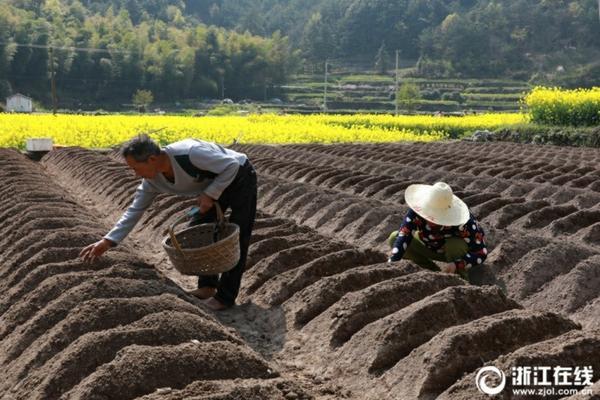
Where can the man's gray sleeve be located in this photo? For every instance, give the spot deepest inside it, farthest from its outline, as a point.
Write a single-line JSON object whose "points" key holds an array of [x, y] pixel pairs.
{"points": [[215, 159], [144, 195]]}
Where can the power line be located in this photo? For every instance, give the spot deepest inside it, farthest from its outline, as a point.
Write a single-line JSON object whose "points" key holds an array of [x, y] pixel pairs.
{"points": [[86, 49], [59, 79]]}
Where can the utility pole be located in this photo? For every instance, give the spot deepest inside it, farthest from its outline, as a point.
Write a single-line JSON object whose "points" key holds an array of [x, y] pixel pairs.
{"points": [[222, 79], [599, 10], [325, 87], [52, 81], [396, 85]]}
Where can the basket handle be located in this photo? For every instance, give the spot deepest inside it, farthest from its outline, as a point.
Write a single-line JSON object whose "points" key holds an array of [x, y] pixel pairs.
{"points": [[172, 233], [218, 227]]}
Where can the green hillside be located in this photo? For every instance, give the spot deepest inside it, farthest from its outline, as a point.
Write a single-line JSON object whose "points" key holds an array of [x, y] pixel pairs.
{"points": [[103, 51]]}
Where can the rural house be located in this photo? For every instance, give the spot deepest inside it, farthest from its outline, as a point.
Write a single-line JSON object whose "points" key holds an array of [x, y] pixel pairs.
{"points": [[19, 103]]}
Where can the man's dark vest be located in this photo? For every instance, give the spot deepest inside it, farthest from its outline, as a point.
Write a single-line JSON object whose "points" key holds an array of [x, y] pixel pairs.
{"points": [[199, 174]]}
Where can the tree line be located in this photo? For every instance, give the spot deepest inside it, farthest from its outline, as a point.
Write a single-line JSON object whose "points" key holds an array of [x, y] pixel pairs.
{"points": [[246, 48], [104, 55], [475, 38]]}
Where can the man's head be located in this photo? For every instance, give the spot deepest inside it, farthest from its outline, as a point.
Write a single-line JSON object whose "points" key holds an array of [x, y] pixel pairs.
{"points": [[142, 155]]}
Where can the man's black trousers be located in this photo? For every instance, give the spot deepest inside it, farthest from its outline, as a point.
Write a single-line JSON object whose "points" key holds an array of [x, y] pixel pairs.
{"points": [[240, 196]]}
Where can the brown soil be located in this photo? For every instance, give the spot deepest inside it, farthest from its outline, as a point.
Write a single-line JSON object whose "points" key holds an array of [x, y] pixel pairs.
{"points": [[571, 349], [321, 314]]}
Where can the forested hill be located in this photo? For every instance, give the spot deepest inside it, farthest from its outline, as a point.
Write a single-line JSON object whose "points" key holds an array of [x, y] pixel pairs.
{"points": [[352, 27], [103, 52], [472, 36], [203, 48], [465, 37]]}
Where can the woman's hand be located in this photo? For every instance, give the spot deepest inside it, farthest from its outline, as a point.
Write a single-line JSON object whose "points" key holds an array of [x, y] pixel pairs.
{"points": [[449, 268]]}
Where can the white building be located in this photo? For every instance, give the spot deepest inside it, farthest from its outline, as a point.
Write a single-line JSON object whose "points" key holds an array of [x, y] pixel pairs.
{"points": [[19, 103]]}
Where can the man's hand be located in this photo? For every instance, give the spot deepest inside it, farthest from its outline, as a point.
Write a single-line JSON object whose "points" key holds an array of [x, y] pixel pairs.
{"points": [[205, 202], [449, 268], [92, 252]]}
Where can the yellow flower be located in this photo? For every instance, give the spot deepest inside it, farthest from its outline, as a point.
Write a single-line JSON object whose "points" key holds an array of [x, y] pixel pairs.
{"points": [[111, 130]]}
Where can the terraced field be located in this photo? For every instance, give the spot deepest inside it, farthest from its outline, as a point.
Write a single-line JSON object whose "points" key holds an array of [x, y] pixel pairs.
{"points": [[321, 313], [350, 93]]}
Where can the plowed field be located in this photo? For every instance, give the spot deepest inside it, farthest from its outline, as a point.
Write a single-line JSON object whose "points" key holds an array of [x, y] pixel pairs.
{"points": [[321, 314]]}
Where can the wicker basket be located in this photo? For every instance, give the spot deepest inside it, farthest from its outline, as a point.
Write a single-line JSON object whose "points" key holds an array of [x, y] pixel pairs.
{"points": [[205, 249]]}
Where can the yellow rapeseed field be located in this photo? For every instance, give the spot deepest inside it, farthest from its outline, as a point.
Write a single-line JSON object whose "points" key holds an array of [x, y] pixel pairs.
{"points": [[106, 131], [555, 106]]}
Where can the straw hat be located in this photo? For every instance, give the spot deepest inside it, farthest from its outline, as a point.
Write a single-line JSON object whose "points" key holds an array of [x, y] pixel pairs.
{"points": [[437, 204]]}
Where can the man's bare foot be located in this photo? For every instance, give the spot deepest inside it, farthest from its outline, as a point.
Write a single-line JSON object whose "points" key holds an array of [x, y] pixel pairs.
{"points": [[204, 293], [215, 304]]}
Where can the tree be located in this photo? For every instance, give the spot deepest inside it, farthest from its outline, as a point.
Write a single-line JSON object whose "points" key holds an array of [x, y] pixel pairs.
{"points": [[318, 38], [142, 98], [408, 96], [382, 59]]}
